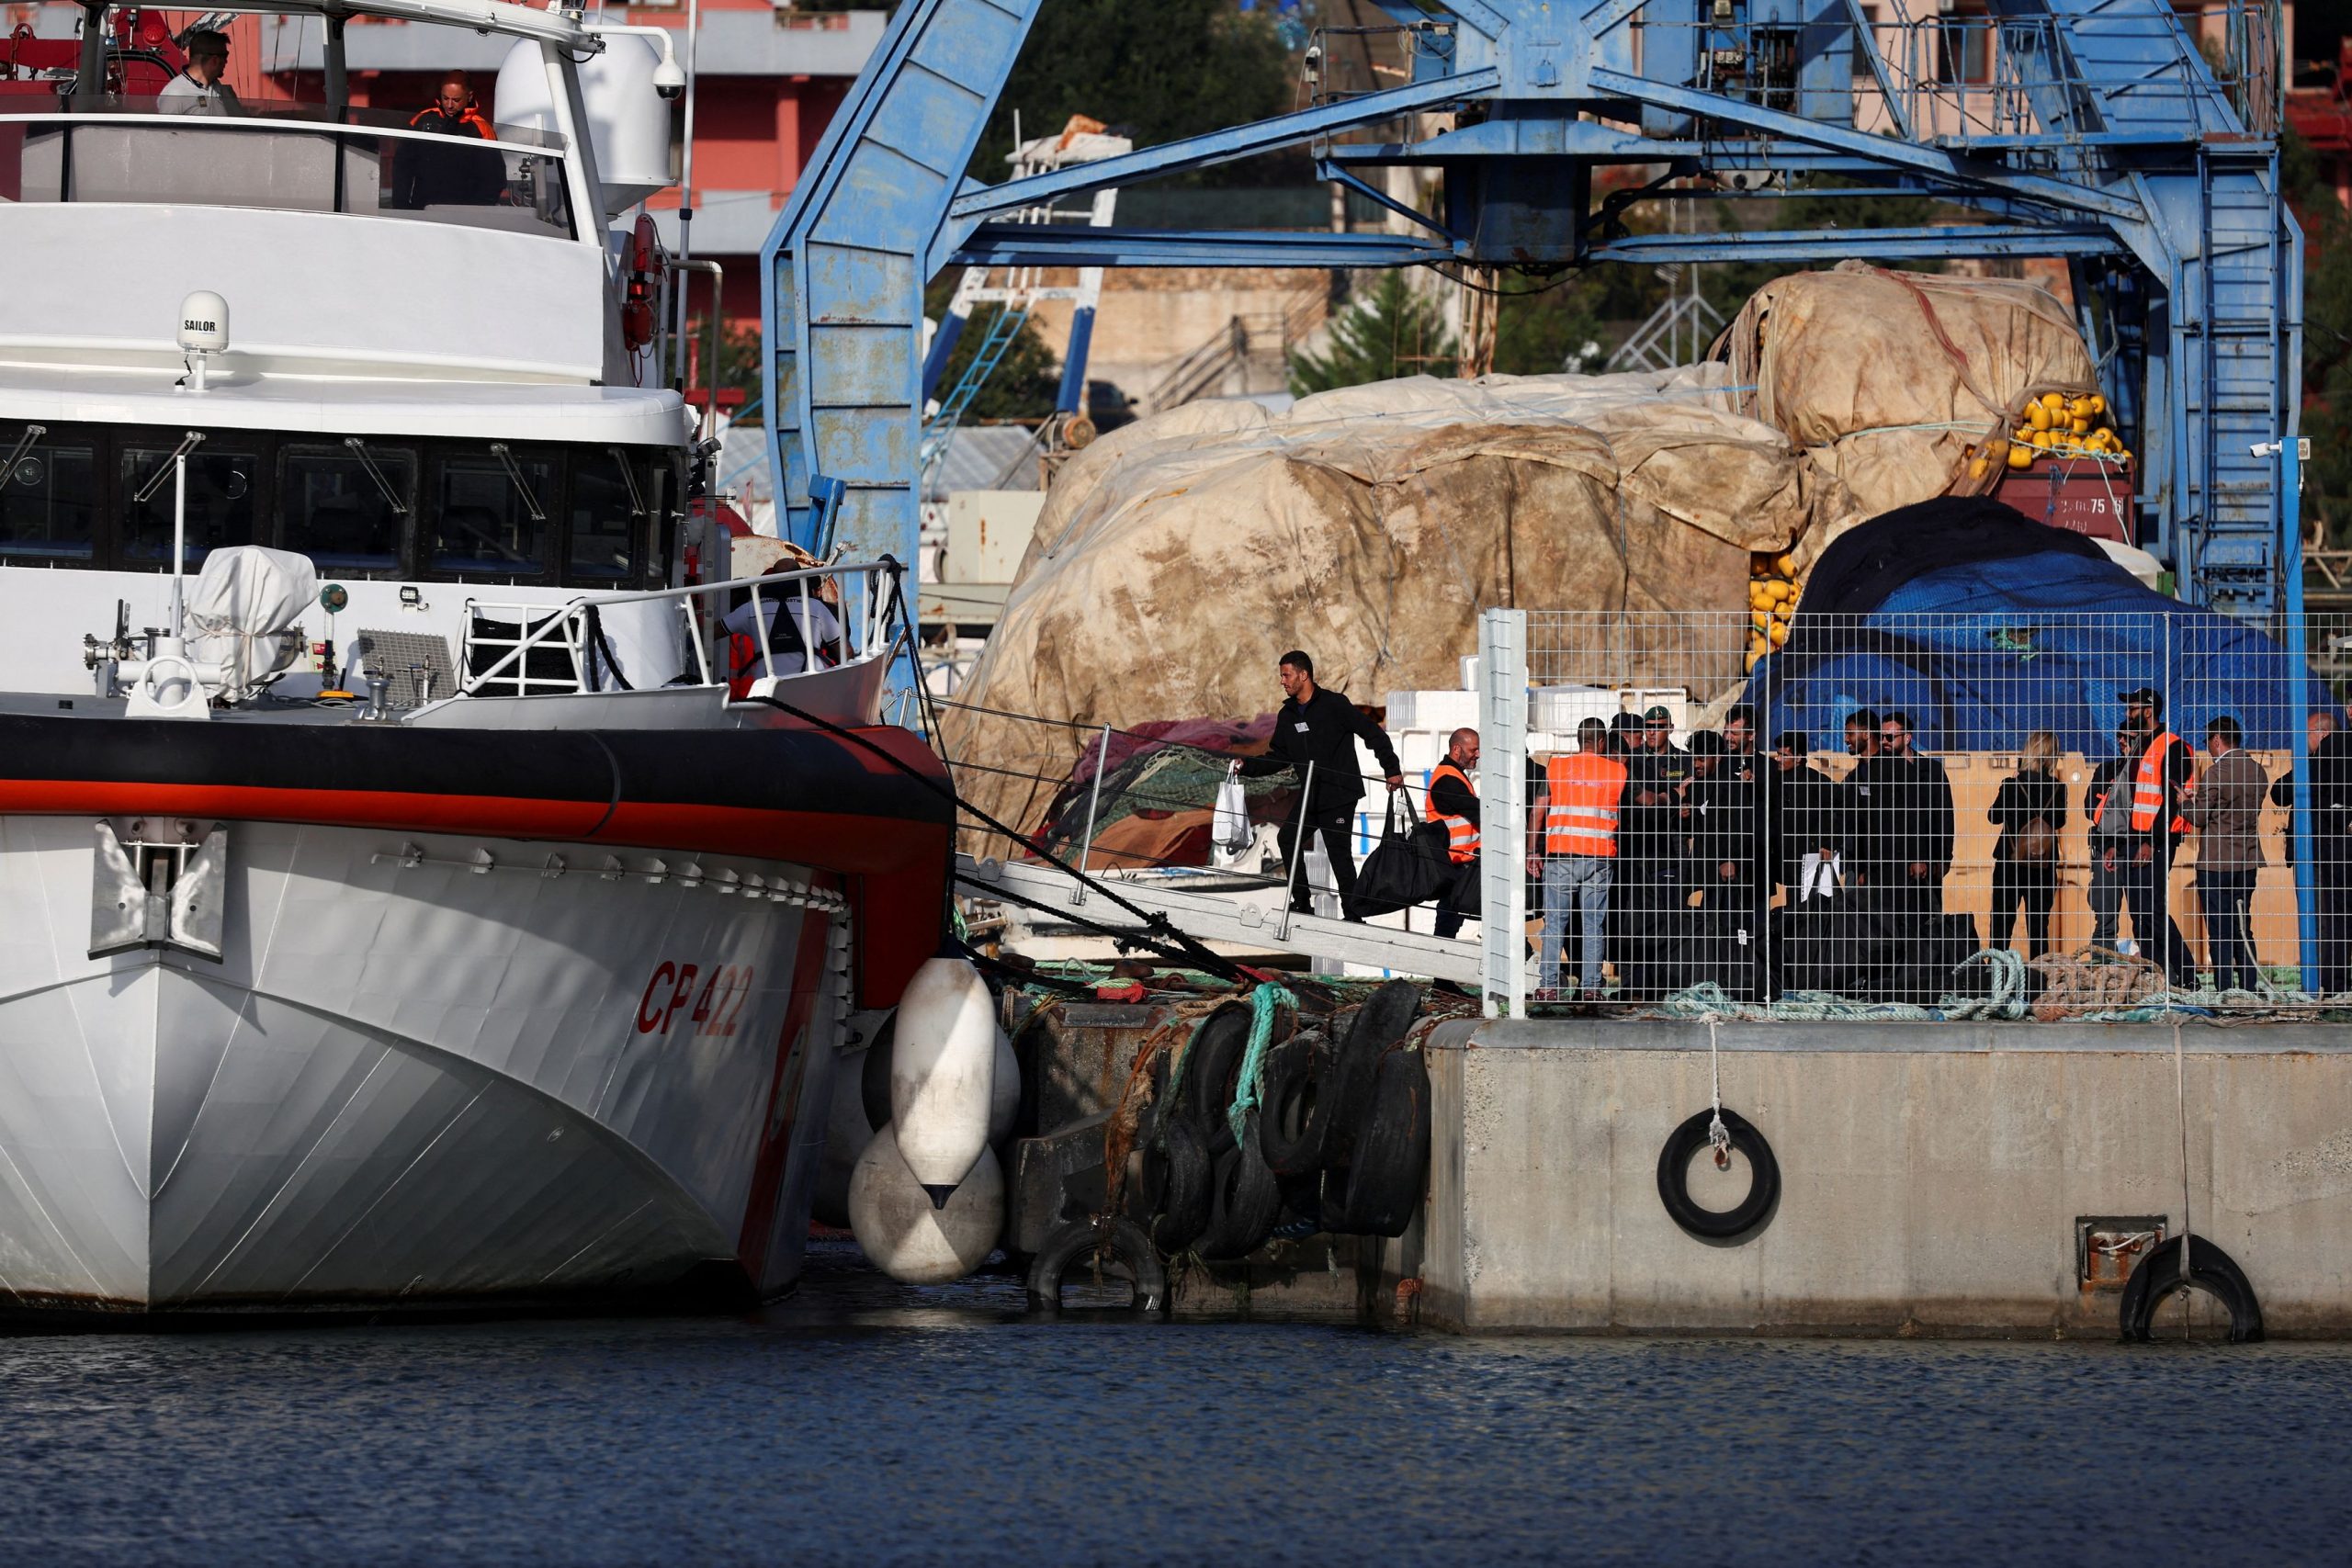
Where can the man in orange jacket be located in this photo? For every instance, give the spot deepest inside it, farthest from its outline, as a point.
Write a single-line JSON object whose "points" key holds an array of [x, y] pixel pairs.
{"points": [[2150, 790], [1573, 828], [428, 174]]}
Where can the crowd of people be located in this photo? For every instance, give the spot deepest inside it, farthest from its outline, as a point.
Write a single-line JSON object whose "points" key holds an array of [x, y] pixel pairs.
{"points": [[1657, 864]]}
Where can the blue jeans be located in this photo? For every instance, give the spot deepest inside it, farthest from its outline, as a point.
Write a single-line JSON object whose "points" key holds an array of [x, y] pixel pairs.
{"points": [[1588, 877]]}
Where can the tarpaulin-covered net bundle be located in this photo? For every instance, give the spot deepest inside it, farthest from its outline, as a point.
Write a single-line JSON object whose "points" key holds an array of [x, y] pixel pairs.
{"points": [[1895, 381], [1178, 557]]}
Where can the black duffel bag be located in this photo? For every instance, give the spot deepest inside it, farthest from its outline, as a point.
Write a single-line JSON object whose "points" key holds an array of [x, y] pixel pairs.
{"points": [[1407, 867]]}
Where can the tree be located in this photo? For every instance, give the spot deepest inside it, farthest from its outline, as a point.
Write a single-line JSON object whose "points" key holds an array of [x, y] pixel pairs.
{"points": [[1025, 381], [1546, 332], [1155, 73], [1395, 330], [2327, 342]]}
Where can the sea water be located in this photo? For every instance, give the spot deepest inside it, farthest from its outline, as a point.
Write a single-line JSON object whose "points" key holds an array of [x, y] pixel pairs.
{"points": [[862, 1422]]}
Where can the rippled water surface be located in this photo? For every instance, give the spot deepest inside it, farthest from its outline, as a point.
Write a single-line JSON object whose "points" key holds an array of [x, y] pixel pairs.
{"points": [[868, 1424]]}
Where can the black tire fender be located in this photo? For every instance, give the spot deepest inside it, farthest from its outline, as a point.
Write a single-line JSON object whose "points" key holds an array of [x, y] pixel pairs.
{"points": [[1180, 1196], [1292, 1139], [1344, 1090], [1388, 1172], [1245, 1200], [1711, 1225], [1074, 1245], [2157, 1278], [1210, 1062]]}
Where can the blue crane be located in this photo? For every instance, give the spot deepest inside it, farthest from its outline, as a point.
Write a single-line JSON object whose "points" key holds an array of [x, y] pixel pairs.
{"points": [[2140, 144]]}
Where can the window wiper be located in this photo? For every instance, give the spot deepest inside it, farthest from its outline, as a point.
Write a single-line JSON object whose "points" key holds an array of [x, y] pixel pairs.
{"points": [[35, 432], [189, 442], [391, 497], [522, 485], [628, 478]]}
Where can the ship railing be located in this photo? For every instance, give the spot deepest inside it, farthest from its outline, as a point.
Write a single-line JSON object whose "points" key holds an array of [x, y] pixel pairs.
{"points": [[856, 596]]}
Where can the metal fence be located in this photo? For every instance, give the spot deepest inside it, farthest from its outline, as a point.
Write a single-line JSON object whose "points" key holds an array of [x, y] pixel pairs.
{"points": [[1956, 813]]}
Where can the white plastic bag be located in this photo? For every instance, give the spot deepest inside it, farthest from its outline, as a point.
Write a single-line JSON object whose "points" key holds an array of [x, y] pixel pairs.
{"points": [[1230, 827]]}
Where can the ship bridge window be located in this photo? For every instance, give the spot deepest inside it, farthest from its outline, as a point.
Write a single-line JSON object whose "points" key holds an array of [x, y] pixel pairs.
{"points": [[488, 511], [49, 497], [220, 499], [347, 505], [608, 515]]}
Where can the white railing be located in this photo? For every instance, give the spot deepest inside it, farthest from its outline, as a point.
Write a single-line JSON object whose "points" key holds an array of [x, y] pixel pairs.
{"points": [[860, 614]]}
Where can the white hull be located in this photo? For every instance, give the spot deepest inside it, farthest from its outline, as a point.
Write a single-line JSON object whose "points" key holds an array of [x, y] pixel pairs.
{"points": [[411, 1082]]}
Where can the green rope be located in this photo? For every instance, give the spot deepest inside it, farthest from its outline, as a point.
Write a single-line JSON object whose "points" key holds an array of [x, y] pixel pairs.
{"points": [[1263, 1003], [1708, 999]]}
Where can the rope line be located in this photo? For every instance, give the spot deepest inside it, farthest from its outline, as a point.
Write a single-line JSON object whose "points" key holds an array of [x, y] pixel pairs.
{"points": [[1264, 1001]]}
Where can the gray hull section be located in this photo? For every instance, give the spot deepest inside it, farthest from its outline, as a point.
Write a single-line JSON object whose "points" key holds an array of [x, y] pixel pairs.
{"points": [[529, 1117]]}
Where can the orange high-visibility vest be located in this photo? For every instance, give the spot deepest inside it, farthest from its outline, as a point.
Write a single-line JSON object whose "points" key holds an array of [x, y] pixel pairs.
{"points": [[2147, 788], [1583, 789], [1461, 833]]}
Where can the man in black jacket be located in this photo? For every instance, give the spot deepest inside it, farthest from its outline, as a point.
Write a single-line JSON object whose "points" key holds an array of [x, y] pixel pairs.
{"points": [[1922, 826], [1319, 728], [1800, 815]]}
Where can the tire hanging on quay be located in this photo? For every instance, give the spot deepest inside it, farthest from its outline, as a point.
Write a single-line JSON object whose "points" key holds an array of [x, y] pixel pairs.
{"points": [[1753, 1213]]}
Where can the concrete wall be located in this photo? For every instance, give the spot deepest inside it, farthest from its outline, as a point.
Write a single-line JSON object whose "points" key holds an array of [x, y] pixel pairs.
{"points": [[1933, 1173]]}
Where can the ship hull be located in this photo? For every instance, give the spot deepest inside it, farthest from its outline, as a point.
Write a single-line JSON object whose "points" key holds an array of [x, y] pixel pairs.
{"points": [[424, 1071]]}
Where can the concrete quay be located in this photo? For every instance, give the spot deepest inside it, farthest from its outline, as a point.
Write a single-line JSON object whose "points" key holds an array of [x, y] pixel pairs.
{"points": [[1936, 1176]]}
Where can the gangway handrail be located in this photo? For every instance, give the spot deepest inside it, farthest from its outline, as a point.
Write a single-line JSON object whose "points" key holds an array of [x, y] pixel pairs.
{"points": [[872, 618]]}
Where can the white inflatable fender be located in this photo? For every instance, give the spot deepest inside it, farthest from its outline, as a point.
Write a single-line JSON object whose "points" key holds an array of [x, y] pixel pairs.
{"points": [[904, 1235], [942, 1072]]}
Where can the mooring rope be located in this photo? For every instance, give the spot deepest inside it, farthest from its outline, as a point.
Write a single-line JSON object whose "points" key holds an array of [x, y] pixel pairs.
{"points": [[1264, 1002]]}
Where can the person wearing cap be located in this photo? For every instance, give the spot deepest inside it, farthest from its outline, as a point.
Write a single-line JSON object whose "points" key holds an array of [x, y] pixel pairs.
{"points": [[2150, 799], [2225, 805], [1575, 822]]}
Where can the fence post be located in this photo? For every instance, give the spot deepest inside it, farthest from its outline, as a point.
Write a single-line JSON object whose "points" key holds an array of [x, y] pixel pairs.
{"points": [[1502, 811], [1093, 799], [2290, 557]]}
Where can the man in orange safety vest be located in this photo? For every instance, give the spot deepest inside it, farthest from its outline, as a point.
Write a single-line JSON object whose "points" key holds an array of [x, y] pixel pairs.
{"points": [[2141, 856], [1453, 799], [1573, 829]]}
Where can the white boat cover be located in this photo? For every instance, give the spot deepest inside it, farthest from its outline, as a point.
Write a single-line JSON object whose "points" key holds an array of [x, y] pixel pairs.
{"points": [[244, 614]]}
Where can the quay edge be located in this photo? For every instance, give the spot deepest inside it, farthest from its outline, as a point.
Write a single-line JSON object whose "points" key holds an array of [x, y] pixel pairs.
{"points": [[1932, 1174]]}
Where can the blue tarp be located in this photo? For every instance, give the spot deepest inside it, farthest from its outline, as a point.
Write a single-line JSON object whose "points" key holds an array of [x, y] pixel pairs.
{"points": [[1981, 654]]}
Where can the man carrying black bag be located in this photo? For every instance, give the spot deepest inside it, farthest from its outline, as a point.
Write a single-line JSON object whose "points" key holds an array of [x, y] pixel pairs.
{"points": [[1318, 729]]}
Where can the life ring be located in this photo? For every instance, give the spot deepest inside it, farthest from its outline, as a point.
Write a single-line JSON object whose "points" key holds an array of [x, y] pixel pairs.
{"points": [[2157, 1278], [1389, 1169], [1718, 1224], [1125, 1252], [1245, 1200]]}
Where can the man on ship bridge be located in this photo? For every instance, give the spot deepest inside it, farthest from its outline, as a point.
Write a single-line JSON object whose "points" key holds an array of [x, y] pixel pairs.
{"points": [[427, 174]]}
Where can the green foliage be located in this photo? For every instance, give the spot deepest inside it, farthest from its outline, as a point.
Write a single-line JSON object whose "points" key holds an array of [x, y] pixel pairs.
{"points": [[739, 361], [1156, 72], [1545, 333], [1025, 382], [1391, 329], [2327, 343]]}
